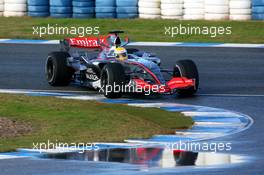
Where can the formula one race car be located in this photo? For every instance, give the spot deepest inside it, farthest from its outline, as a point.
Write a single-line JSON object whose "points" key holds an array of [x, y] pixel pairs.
{"points": [[117, 70]]}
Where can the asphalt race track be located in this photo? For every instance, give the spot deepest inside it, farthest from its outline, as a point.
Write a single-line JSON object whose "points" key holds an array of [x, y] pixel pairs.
{"points": [[231, 78]]}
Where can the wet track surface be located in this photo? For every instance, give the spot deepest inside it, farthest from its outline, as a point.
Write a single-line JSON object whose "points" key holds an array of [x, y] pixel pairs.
{"points": [[222, 70], [231, 78]]}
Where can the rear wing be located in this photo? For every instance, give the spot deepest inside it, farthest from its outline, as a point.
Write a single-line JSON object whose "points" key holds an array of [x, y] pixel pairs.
{"points": [[85, 42], [93, 42]]}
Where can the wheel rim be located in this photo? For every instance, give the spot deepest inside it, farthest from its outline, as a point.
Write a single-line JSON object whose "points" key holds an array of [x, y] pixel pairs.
{"points": [[104, 81], [50, 70]]}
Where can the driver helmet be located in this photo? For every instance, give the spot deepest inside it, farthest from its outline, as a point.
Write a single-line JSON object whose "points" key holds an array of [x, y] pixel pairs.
{"points": [[121, 54]]}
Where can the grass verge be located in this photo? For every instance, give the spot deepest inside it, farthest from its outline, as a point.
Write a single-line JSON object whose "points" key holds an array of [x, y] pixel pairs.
{"points": [[69, 121], [137, 29]]}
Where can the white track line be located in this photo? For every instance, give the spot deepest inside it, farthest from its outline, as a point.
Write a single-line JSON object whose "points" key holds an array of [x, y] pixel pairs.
{"points": [[184, 44], [168, 44], [217, 124], [211, 114], [7, 91], [83, 97], [152, 105], [41, 90], [232, 95], [4, 157], [76, 91], [38, 42], [197, 133]]}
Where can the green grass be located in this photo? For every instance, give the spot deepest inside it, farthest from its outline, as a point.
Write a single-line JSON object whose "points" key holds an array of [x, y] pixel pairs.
{"points": [[68, 121], [137, 29]]}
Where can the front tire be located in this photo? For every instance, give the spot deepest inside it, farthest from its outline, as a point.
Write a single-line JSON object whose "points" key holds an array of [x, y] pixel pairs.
{"points": [[58, 73], [112, 80], [188, 69]]}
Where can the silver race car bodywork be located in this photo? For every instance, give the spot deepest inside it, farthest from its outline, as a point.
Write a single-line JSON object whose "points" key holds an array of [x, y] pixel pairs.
{"points": [[141, 69]]}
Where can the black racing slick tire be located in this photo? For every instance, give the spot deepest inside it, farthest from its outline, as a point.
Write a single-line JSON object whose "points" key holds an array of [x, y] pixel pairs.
{"points": [[188, 69], [113, 80], [58, 73]]}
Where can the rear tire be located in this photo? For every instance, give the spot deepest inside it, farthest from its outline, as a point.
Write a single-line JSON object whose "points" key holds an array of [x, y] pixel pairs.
{"points": [[188, 69], [112, 80], [58, 73]]}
